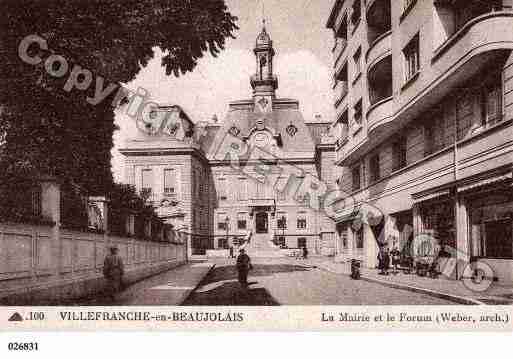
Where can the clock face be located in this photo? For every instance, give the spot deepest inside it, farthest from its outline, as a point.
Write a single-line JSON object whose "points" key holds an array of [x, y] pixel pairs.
{"points": [[261, 139]]}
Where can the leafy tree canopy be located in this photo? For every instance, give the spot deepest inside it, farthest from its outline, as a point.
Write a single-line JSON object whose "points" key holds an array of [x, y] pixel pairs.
{"points": [[46, 129]]}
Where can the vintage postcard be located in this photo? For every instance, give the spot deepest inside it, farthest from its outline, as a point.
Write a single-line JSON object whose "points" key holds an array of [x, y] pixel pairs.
{"points": [[297, 165]]}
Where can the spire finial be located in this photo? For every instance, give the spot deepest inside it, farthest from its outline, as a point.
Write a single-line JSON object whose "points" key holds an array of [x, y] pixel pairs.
{"points": [[263, 14]]}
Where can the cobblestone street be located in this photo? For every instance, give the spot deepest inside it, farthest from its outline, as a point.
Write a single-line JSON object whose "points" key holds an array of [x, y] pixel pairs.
{"points": [[291, 282]]}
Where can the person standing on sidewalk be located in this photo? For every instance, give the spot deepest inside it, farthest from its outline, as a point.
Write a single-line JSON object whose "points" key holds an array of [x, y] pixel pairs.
{"points": [[243, 267], [113, 271]]}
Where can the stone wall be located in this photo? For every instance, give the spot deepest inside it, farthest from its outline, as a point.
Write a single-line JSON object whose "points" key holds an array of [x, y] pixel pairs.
{"points": [[45, 265]]}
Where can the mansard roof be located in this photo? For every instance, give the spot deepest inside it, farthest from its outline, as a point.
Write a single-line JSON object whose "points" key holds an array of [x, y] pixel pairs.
{"points": [[289, 124]]}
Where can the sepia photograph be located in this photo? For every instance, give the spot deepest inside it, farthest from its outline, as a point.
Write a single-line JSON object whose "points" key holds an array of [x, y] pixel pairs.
{"points": [[235, 154]]}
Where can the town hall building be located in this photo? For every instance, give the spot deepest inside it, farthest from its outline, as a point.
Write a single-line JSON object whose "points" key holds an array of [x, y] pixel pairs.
{"points": [[194, 184]]}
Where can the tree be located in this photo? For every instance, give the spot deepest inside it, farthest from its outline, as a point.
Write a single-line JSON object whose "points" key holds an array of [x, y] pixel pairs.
{"points": [[47, 129]]}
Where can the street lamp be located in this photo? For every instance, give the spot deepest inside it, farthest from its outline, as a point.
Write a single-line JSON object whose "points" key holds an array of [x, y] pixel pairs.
{"points": [[227, 224]]}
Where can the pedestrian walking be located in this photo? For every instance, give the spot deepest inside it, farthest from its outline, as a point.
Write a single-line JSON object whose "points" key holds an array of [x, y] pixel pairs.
{"points": [[396, 258], [231, 252], [113, 271], [383, 260], [243, 267], [305, 252]]}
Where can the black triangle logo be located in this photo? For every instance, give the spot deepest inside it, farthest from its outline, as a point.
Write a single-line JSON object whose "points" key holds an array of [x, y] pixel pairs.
{"points": [[16, 317]]}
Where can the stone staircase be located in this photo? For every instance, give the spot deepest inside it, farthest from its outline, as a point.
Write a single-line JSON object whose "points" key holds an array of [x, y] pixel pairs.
{"points": [[261, 245]]}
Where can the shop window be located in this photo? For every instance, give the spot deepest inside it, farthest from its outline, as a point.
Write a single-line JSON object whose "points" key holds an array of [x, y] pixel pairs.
{"points": [[374, 168], [356, 177], [498, 241], [492, 227], [438, 221], [399, 154], [411, 59]]}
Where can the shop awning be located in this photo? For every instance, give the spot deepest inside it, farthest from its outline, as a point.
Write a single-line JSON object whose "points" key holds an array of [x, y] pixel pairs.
{"points": [[485, 182], [422, 197]]}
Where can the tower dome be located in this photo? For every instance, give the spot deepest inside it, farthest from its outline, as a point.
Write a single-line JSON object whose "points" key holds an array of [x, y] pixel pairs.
{"points": [[263, 39]]}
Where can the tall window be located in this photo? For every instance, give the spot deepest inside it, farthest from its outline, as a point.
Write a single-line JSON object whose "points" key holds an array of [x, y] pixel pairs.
{"points": [[359, 238], [281, 221], [169, 181], [358, 114], [222, 224], [341, 34], [357, 12], [221, 190], [243, 189], [356, 178], [374, 168], [147, 181], [399, 154], [357, 58], [301, 221], [260, 189], [491, 103], [281, 188], [241, 221], [411, 58]]}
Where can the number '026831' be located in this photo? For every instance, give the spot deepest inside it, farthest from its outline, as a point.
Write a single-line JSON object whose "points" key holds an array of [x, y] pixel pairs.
{"points": [[13, 346]]}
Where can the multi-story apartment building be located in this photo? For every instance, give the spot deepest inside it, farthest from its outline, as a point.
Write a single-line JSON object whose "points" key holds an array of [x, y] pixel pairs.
{"points": [[425, 126], [195, 187]]}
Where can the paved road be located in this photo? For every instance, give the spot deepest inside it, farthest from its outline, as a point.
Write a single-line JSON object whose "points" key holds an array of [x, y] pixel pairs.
{"points": [[289, 282]]}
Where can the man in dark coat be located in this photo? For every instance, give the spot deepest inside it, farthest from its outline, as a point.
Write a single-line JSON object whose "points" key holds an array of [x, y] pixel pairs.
{"points": [[305, 252], [113, 270], [243, 267]]}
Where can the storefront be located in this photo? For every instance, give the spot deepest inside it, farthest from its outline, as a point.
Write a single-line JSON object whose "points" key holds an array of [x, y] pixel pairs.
{"points": [[491, 231]]}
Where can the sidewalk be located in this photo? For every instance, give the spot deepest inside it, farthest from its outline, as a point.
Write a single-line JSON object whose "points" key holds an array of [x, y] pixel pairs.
{"points": [[443, 288], [170, 288]]}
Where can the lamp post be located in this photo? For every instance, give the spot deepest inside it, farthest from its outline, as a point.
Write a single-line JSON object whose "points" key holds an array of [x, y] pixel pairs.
{"points": [[227, 224]]}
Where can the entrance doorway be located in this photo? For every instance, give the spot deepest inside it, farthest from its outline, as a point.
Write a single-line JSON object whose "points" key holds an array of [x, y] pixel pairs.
{"points": [[261, 222]]}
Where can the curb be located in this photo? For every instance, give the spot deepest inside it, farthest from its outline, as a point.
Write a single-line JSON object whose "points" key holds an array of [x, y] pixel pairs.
{"points": [[187, 295], [451, 297]]}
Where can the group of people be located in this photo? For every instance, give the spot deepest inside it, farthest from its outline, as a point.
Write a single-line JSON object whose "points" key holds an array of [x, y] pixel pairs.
{"points": [[385, 256]]}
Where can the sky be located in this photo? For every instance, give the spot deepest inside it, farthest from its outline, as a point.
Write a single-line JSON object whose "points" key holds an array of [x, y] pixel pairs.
{"points": [[303, 65]]}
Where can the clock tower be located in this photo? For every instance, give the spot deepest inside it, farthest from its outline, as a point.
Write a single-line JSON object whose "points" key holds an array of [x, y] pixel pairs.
{"points": [[264, 82]]}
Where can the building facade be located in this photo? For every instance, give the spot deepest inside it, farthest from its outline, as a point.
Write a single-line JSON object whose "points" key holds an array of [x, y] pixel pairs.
{"points": [[195, 184], [424, 127]]}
